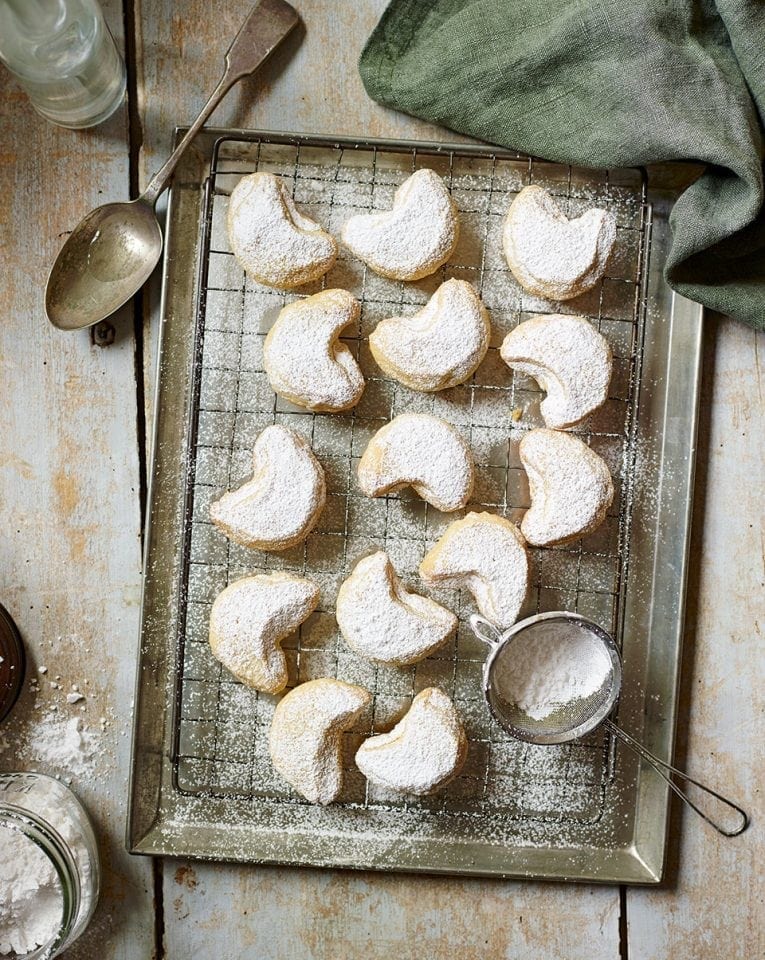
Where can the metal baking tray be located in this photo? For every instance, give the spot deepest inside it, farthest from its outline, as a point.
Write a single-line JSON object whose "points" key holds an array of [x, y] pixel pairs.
{"points": [[202, 784]]}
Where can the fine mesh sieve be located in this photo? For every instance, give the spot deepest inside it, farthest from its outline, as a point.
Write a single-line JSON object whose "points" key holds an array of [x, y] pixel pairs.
{"points": [[557, 683], [555, 677]]}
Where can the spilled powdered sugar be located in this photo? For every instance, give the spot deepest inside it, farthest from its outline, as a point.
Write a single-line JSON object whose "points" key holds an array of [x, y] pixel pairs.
{"points": [[65, 744], [413, 238]]}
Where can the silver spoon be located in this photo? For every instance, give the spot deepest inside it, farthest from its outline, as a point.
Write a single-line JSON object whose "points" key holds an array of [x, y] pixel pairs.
{"points": [[112, 252]]}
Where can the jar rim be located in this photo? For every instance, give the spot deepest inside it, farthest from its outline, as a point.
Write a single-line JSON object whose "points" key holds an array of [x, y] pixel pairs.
{"points": [[47, 839]]}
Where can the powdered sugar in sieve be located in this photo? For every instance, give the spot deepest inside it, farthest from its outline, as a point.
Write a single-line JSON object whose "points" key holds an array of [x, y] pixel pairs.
{"points": [[557, 663]]}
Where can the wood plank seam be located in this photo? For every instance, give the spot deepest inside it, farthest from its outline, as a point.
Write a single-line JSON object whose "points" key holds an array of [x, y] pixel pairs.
{"points": [[140, 306], [623, 928]]}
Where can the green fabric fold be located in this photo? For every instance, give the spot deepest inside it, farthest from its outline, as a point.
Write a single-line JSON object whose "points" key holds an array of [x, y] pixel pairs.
{"points": [[605, 83]]}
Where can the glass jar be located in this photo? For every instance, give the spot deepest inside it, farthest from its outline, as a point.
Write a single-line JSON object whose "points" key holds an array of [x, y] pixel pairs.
{"points": [[62, 53], [51, 817]]}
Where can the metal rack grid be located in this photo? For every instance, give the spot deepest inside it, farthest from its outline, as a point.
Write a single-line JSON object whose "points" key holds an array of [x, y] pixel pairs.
{"points": [[220, 726]]}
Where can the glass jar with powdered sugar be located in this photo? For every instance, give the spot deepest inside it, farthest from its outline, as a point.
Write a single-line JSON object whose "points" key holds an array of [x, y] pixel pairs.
{"points": [[49, 869]]}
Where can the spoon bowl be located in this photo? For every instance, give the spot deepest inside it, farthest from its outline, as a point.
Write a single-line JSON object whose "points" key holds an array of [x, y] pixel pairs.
{"points": [[109, 255], [113, 251]]}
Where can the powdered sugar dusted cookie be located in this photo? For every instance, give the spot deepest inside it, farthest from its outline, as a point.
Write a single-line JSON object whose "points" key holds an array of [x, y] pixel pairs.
{"points": [[570, 485], [274, 242], [486, 554], [306, 735], [249, 620], [570, 360], [281, 504], [304, 358], [550, 255], [380, 620], [438, 347], [412, 239], [422, 753], [421, 451]]}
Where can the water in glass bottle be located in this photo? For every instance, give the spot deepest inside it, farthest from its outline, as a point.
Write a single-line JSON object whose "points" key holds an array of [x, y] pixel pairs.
{"points": [[62, 53]]}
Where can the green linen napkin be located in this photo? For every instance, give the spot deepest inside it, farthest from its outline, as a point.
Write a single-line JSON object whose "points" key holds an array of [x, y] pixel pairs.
{"points": [[604, 83]]}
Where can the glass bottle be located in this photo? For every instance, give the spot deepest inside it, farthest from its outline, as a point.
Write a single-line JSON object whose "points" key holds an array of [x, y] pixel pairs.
{"points": [[63, 55], [50, 816]]}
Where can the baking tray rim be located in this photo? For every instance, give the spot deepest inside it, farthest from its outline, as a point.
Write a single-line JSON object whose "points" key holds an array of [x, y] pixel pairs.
{"points": [[156, 832]]}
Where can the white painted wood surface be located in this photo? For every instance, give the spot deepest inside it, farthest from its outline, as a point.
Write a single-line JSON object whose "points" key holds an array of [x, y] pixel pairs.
{"points": [[69, 561], [287, 914], [714, 906], [69, 540]]}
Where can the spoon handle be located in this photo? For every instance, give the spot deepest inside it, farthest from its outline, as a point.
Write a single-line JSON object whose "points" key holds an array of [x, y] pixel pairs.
{"points": [[261, 33]]}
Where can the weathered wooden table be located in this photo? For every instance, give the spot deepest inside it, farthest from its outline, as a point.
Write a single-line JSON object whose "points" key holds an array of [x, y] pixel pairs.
{"points": [[72, 475]]}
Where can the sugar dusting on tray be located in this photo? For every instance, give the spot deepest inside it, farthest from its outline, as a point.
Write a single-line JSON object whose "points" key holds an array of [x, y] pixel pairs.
{"points": [[552, 794]]}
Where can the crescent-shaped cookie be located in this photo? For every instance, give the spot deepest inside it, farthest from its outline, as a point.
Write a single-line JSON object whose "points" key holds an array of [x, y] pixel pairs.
{"points": [[486, 554], [421, 451], [249, 620], [382, 621], [274, 242], [281, 504], [570, 486], [304, 358], [570, 360], [306, 733], [438, 347], [415, 237], [550, 255], [422, 753]]}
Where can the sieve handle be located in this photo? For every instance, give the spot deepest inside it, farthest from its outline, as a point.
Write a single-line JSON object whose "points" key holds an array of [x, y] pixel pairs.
{"points": [[664, 770], [485, 630]]}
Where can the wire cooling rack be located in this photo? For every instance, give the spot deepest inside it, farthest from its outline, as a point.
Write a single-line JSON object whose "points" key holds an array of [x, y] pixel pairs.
{"points": [[220, 726]]}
